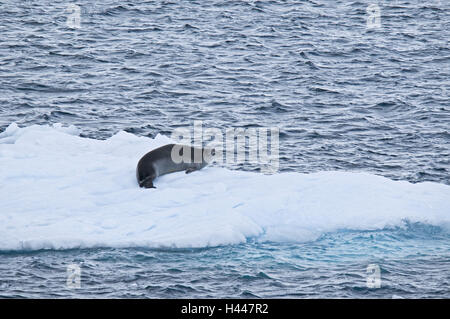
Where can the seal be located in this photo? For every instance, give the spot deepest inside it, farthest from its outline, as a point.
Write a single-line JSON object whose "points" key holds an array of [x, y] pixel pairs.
{"points": [[171, 158]]}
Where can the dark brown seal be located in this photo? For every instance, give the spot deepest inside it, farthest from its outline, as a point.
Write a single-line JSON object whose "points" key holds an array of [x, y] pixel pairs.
{"points": [[171, 158]]}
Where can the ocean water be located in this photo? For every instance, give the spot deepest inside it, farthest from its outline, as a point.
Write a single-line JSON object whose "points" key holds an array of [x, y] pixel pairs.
{"points": [[363, 185]]}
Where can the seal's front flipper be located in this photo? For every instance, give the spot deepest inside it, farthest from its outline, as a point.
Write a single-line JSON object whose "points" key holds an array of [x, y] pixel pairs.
{"points": [[147, 183], [190, 170]]}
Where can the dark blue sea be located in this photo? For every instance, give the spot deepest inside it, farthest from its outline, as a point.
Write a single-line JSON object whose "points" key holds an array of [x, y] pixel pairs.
{"points": [[353, 86]]}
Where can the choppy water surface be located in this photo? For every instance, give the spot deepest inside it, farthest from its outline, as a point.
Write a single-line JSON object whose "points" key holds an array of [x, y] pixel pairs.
{"points": [[344, 96], [414, 263]]}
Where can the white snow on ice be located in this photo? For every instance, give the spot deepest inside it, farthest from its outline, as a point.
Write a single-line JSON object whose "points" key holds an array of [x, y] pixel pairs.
{"points": [[59, 190]]}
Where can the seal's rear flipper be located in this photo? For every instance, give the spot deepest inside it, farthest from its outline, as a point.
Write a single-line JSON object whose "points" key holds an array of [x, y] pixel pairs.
{"points": [[191, 169]]}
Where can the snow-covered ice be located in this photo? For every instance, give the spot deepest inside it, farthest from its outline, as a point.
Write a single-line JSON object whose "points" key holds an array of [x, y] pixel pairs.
{"points": [[59, 190]]}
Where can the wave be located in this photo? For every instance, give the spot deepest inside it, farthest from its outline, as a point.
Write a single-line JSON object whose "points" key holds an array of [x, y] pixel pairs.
{"points": [[60, 191]]}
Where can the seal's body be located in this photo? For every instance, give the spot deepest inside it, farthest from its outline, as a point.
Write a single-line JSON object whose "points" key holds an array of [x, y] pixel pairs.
{"points": [[168, 159]]}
